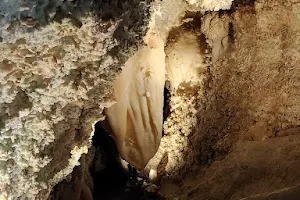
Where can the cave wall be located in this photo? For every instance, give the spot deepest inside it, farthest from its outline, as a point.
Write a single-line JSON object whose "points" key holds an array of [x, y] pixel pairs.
{"points": [[57, 65], [241, 142], [234, 110]]}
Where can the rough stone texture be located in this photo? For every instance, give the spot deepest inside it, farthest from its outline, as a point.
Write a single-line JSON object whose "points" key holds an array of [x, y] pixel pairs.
{"points": [[57, 65], [291, 193], [245, 139], [232, 131], [211, 4], [78, 185]]}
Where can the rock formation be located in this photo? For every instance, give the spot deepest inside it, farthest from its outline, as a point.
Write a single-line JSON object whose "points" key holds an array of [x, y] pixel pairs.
{"points": [[231, 115]]}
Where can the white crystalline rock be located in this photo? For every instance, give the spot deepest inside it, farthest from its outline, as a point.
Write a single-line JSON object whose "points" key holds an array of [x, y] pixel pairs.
{"points": [[213, 5], [47, 78], [136, 119], [73, 161]]}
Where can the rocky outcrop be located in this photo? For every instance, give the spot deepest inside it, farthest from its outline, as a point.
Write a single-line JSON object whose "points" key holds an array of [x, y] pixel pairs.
{"points": [[57, 65], [241, 142], [231, 118]]}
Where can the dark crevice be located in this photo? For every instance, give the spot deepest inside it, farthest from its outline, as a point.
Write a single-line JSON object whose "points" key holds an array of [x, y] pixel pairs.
{"points": [[237, 4], [106, 179], [111, 180], [108, 174], [166, 109]]}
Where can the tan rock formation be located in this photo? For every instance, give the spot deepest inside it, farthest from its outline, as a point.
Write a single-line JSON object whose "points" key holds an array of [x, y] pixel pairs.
{"points": [[232, 76]]}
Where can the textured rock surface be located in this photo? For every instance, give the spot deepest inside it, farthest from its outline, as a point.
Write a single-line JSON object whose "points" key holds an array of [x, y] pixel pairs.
{"points": [[243, 139], [57, 65], [211, 4], [232, 130]]}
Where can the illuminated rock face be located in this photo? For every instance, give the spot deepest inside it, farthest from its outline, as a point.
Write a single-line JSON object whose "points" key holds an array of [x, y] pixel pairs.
{"points": [[232, 77], [58, 63], [137, 117], [211, 4], [185, 62], [242, 116]]}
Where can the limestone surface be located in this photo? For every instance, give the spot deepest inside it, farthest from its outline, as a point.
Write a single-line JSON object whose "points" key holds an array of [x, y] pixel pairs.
{"points": [[58, 62]]}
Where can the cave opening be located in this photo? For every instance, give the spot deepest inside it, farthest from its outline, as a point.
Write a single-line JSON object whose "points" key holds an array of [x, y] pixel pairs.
{"points": [[102, 174], [110, 173], [112, 179], [109, 176]]}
